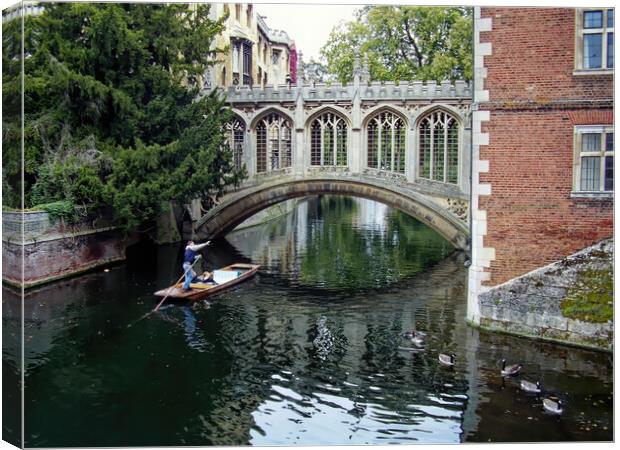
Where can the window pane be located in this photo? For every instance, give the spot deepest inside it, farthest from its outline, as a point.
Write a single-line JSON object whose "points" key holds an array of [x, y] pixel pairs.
{"points": [[610, 18], [609, 142], [609, 173], [425, 149], [590, 173], [592, 46], [593, 19], [610, 50], [591, 142]]}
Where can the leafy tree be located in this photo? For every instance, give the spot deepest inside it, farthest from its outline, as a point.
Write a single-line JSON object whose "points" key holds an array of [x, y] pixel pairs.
{"points": [[112, 115], [404, 43]]}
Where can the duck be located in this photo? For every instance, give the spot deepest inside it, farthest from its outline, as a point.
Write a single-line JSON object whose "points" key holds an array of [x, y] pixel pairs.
{"points": [[510, 370], [417, 337], [447, 360], [528, 386], [552, 406]]}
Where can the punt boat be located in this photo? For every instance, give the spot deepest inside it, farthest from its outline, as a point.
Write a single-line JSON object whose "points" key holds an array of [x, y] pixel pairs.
{"points": [[223, 279]]}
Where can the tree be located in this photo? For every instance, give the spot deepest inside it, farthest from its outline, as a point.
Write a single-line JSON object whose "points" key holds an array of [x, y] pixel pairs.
{"points": [[404, 43], [112, 115]]}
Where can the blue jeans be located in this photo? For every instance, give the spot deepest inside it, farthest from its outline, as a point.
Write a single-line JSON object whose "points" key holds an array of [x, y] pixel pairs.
{"points": [[189, 274]]}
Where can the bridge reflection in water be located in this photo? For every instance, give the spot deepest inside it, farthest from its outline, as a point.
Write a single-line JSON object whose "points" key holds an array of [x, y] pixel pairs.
{"points": [[309, 352]]}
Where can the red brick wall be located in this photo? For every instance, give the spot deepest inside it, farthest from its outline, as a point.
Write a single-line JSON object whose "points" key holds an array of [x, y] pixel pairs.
{"points": [[61, 257], [531, 218], [533, 57]]}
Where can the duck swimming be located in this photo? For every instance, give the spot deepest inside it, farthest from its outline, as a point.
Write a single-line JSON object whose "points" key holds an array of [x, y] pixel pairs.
{"points": [[528, 386], [552, 406], [417, 337], [447, 360], [508, 371]]}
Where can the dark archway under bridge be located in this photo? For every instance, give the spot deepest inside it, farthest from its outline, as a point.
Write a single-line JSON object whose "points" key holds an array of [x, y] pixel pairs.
{"points": [[244, 203]]}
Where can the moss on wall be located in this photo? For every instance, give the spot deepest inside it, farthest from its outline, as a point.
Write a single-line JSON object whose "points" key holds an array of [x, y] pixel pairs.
{"points": [[591, 298]]}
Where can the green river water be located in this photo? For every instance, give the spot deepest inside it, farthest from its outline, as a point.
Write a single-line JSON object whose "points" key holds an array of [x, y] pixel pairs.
{"points": [[308, 352]]}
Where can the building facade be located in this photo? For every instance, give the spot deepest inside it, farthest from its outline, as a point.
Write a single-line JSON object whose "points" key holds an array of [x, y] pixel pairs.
{"points": [[256, 55], [543, 139]]}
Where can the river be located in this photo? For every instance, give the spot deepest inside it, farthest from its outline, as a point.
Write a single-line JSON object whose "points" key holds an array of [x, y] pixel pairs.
{"points": [[308, 352]]}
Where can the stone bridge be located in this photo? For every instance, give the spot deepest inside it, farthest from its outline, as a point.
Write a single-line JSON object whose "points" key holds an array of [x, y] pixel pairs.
{"points": [[403, 144]]}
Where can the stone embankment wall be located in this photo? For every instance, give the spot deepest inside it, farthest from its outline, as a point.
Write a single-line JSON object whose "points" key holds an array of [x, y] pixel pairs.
{"points": [[567, 301], [52, 250]]}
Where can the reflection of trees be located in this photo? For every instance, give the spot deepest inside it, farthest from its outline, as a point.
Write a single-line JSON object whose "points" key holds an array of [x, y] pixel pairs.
{"points": [[339, 255]]}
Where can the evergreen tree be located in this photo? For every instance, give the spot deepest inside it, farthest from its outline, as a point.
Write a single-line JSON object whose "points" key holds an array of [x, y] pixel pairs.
{"points": [[112, 115]]}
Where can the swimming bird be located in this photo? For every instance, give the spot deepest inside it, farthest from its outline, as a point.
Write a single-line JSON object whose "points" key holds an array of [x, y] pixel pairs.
{"points": [[447, 360], [510, 370], [528, 386], [416, 337], [552, 406]]}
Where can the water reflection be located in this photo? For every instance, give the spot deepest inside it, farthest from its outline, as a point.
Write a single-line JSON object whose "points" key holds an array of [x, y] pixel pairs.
{"points": [[308, 352]]}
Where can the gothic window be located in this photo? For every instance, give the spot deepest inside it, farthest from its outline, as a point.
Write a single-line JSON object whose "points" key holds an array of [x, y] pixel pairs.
{"points": [[273, 143], [275, 56], [328, 140], [439, 147], [386, 142], [235, 131]]}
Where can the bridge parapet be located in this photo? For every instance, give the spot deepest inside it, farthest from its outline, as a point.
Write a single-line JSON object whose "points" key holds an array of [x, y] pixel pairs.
{"points": [[376, 90]]}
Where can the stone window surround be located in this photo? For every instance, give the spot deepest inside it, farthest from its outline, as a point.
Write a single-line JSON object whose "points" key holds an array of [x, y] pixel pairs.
{"points": [[381, 152], [578, 131], [322, 119], [460, 131], [579, 32]]}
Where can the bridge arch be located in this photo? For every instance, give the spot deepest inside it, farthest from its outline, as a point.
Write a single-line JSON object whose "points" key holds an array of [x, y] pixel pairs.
{"points": [[247, 202]]}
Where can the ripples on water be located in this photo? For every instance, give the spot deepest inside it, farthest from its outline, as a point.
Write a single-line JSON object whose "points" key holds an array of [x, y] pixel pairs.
{"points": [[309, 352]]}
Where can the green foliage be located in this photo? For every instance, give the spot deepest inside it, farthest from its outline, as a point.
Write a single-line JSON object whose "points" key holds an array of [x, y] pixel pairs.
{"points": [[61, 210], [111, 109], [404, 43], [591, 299]]}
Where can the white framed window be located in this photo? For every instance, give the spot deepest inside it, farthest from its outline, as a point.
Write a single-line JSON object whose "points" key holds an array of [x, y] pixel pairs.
{"points": [[594, 159], [594, 39]]}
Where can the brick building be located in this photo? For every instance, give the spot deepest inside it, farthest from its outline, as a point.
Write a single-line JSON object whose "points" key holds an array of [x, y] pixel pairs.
{"points": [[543, 147]]}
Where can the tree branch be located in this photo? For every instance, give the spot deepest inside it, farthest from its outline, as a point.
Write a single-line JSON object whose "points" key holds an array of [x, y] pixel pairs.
{"points": [[418, 55]]}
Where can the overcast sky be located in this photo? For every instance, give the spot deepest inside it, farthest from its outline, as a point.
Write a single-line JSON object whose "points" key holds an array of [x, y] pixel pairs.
{"points": [[308, 25]]}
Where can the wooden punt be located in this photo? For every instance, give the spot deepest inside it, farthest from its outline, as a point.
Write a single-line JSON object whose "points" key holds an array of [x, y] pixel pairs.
{"points": [[203, 290]]}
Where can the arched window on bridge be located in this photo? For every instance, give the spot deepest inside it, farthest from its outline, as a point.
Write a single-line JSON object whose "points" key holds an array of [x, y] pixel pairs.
{"points": [[273, 143], [235, 130], [439, 147], [386, 142], [328, 140]]}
